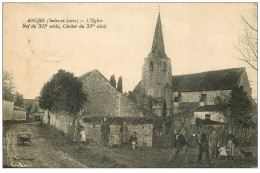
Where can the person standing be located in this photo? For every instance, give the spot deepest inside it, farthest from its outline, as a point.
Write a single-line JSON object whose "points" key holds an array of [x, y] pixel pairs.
{"points": [[231, 144], [76, 131], [105, 131], [203, 148], [124, 134], [181, 142], [82, 135], [213, 144]]}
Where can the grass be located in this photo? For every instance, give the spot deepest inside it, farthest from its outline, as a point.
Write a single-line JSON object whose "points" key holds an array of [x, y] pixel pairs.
{"points": [[97, 156]]}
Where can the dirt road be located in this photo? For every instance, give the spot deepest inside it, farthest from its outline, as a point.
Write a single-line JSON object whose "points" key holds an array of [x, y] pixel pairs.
{"points": [[51, 148], [39, 154]]}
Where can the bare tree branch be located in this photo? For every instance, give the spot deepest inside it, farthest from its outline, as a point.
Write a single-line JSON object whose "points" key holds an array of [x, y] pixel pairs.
{"points": [[250, 26], [248, 42]]}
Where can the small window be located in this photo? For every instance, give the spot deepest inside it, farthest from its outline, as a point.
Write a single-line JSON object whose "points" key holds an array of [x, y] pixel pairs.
{"points": [[207, 116], [151, 66]]}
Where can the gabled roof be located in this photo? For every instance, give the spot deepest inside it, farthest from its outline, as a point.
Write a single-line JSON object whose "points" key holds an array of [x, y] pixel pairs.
{"points": [[208, 81], [91, 72], [138, 87], [189, 105]]}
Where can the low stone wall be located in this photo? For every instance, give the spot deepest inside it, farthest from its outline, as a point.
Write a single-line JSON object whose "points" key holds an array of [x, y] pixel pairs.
{"points": [[144, 133], [61, 121], [19, 115], [64, 123]]}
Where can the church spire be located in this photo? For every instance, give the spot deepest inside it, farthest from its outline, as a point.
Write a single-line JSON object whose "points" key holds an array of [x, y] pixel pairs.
{"points": [[158, 44]]}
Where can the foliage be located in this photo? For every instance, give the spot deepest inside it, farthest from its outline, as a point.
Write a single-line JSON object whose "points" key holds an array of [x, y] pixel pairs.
{"points": [[113, 81], [63, 93], [236, 108], [240, 107], [146, 104], [8, 86], [18, 99], [120, 85]]}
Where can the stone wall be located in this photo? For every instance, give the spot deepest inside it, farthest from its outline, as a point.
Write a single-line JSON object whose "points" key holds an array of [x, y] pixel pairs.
{"points": [[105, 100], [64, 123], [156, 78], [19, 115], [7, 110], [45, 119], [244, 82], [61, 121], [195, 96], [10, 114]]}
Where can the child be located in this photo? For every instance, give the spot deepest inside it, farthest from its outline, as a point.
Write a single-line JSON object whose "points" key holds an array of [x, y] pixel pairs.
{"points": [[133, 140], [223, 152], [82, 134]]}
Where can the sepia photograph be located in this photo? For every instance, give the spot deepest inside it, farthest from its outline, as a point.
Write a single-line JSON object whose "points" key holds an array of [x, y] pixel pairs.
{"points": [[129, 85]]}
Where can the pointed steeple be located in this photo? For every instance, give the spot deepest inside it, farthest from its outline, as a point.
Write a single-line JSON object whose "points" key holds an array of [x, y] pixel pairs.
{"points": [[158, 44]]}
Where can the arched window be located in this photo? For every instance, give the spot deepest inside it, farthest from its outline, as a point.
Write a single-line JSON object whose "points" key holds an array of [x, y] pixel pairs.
{"points": [[151, 66]]}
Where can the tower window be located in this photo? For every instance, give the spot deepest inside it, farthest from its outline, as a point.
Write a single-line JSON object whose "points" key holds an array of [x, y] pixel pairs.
{"points": [[151, 66]]}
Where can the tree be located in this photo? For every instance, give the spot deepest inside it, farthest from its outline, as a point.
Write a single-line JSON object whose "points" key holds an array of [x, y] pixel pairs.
{"points": [[236, 108], [63, 93], [120, 85], [113, 81], [248, 42], [240, 108], [8, 86], [18, 99], [146, 104]]}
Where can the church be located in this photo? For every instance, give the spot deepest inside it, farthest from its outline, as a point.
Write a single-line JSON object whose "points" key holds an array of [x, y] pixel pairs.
{"points": [[196, 92]]}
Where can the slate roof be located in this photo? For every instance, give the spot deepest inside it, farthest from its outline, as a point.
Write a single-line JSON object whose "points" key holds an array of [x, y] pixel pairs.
{"points": [[208, 81], [158, 43], [189, 105], [209, 108], [19, 108]]}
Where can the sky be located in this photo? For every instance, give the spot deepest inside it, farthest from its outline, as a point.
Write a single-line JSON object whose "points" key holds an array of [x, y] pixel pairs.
{"points": [[198, 37]]}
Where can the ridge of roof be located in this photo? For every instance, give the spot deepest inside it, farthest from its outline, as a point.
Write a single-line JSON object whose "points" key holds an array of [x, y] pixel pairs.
{"points": [[224, 79], [95, 70], [238, 68]]}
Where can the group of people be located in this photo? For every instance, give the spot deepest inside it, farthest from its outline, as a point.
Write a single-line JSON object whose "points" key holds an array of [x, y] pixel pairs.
{"points": [[210, 146], [124, 136], [79, 134]]}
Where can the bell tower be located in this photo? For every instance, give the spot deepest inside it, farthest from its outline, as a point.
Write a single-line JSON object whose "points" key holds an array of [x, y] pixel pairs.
{"points": [[157, 72]]}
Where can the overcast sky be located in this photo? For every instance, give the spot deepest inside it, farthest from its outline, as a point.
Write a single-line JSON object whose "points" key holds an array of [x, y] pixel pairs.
{"points": [[198, 37]]}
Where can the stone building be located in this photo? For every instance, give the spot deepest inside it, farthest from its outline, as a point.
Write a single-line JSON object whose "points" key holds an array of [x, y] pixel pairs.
{"points": [[191, 91], [195, 92], [104, 99]]}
